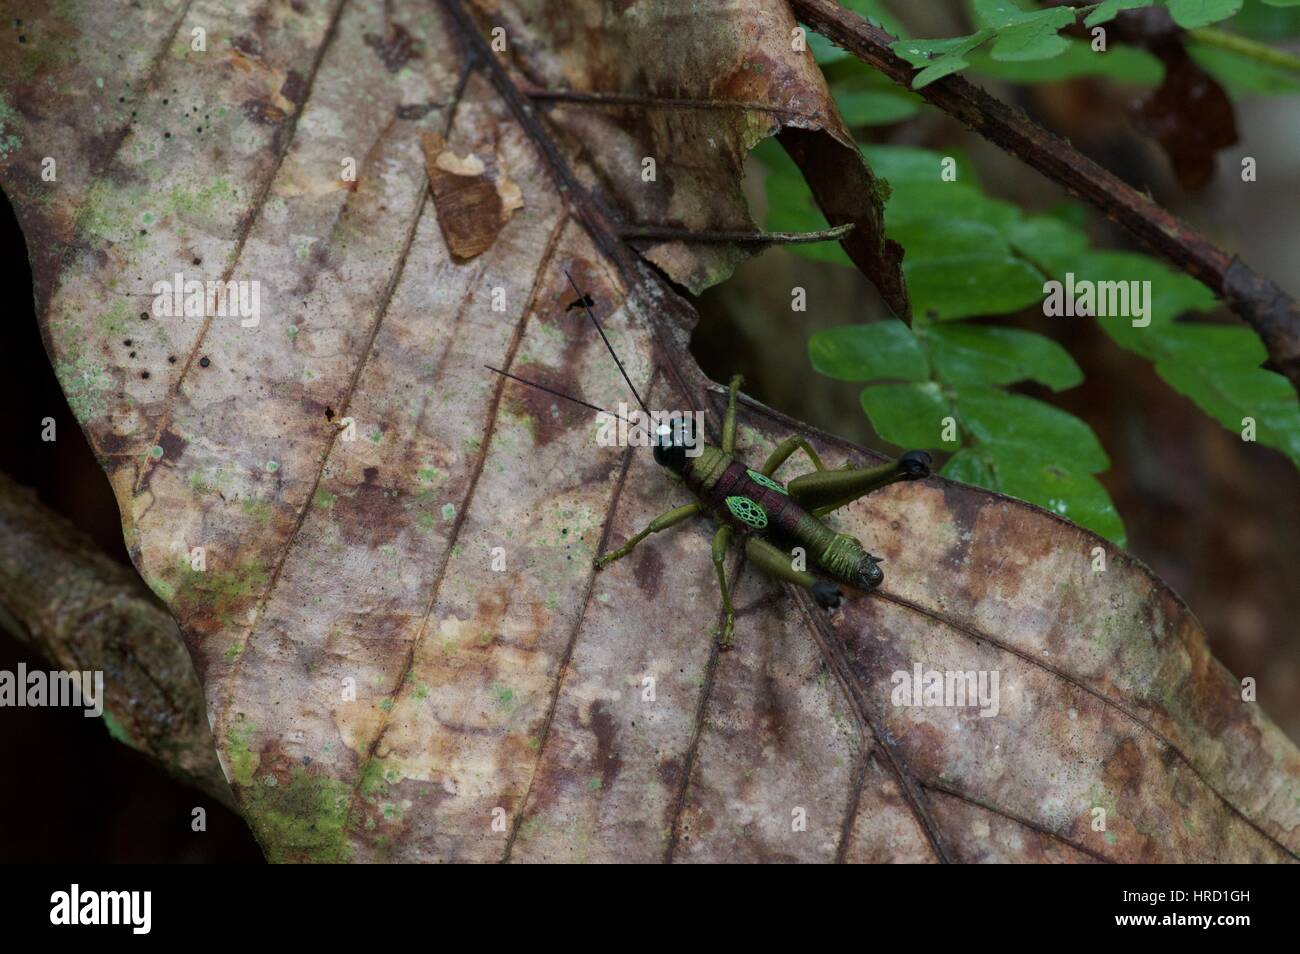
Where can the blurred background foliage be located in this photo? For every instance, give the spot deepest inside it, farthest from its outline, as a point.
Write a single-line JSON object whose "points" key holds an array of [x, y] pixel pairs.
{"points": [[1133, 432]]}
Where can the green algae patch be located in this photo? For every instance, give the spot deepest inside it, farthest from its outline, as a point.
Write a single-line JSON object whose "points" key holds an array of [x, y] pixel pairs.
{"points": [[258, 509], [301, 820], [239, 755], [203, 201], [85, 384], [217, 593], [10, 141]]}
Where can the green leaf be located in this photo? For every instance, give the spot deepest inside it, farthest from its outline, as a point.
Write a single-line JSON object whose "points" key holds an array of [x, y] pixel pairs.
{"points": [[1047, 240], [1109, 9], [823, 50], [928, 238], [924, 52], [1241, 74], [1231, 394], [1171, 293], [882, 349], [1030, 428], [939, 57], [790, 205], [1036, 37], [877, 13], [875, 107], [1212, 345], [964, 286], [971, 466], [940, 202], [998, 14], [1198, 13], [1122, 64], [900, 164], [965, 354], [1050, 484], [908, 415]]}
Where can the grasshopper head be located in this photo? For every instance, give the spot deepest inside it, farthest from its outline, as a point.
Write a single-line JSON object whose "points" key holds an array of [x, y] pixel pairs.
{"points": [[672, 440], [914, 465], [868, 575]]}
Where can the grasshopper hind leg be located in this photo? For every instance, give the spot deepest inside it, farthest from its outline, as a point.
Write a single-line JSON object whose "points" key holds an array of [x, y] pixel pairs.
{"points": [[778, 565], [824, 491]]}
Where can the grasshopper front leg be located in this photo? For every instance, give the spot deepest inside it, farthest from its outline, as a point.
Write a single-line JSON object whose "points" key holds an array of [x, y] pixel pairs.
{"points": [[662, 522], [721, 540]]}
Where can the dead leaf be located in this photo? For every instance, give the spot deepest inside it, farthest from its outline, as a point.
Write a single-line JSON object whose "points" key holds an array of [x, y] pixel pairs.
{"points": [[1190, 115], [696, 105], [378, 691], [472, 201]]}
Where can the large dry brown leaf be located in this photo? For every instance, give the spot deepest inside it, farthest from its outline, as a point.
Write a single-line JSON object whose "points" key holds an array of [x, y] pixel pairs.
{"points": [[518, 697]]}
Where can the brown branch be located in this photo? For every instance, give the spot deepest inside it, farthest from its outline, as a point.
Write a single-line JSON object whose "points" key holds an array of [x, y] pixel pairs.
{"points": [[83, 611], [1266, 308]]}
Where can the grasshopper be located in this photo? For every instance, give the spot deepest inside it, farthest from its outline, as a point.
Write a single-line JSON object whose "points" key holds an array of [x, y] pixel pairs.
{"points": [[752, 508]]}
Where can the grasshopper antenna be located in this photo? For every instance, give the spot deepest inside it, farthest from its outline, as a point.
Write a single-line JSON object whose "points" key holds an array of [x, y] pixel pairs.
{"points": [[585, 301], [567, 397]]}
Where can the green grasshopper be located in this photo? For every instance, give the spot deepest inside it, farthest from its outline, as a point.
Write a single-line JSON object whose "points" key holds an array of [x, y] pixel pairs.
{"points": [[752, 506]]}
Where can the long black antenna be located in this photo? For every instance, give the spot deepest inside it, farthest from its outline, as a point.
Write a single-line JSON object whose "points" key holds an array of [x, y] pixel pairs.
{"points": [[584, 300], [567, 397]]}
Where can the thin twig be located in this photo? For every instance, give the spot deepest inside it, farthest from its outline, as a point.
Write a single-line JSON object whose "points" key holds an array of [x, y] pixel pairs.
{"points": [[656, 102], [669, 233], [1259, 52], [1259, 302]]}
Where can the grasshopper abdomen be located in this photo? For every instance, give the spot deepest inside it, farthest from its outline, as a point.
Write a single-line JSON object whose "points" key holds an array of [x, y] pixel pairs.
{"points": [[753, 503]]}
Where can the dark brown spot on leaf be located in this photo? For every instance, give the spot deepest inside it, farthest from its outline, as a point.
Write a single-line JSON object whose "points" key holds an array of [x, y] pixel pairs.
{"points": [[395, 49]]}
